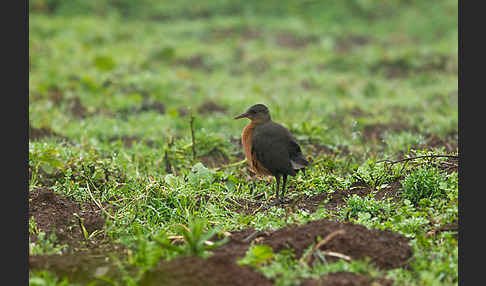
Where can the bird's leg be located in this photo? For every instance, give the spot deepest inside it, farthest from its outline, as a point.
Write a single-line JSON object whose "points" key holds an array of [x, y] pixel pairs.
{"points": [[282, 195], [277, 187], [283, 186]]}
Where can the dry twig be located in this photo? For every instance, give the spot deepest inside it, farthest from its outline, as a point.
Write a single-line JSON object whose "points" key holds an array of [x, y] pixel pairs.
{"points": [[324, 241], [336, 254], [418, 157], [193, 139], [97, 203]]}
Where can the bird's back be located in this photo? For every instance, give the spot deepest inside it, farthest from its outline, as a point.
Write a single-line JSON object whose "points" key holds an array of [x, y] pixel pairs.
{"points": [[276, 149]]}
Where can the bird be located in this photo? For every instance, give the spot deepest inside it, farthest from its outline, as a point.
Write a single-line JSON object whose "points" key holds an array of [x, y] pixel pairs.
{"points": [[270, 148]]}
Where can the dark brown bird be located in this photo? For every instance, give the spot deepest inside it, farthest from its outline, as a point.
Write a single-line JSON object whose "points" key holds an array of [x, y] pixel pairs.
{"points": [[270, 148]]}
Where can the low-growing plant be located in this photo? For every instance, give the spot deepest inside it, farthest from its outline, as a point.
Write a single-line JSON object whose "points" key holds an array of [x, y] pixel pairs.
{"points": [[46, 278], [356, 205], [45, 245], [423, 182], [196, 240], [257, 255]]}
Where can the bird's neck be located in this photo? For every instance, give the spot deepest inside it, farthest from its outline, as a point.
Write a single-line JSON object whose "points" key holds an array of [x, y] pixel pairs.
{"points": [[258, 121], [246, 138]]}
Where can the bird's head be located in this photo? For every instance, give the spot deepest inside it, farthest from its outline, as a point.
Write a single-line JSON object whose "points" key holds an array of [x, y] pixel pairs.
{"points": [[257, 113]]}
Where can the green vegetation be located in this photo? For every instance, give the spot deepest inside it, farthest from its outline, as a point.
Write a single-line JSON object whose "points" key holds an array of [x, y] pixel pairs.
{"points": [[113, 85]]}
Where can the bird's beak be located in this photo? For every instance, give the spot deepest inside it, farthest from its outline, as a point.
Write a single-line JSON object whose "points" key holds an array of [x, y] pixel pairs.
{"points": [[243, 115]]}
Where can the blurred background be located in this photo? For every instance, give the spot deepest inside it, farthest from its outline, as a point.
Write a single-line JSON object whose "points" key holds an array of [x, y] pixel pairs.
{"points": [[357, 75]]}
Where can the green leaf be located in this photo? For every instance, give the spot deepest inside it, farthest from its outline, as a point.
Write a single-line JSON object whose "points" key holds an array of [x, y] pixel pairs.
{"points": [[104, 63], [257, 255]]}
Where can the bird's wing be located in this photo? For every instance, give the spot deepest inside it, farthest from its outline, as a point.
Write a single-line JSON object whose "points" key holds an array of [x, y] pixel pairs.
{"points": [[270, 144], [295, 154]]}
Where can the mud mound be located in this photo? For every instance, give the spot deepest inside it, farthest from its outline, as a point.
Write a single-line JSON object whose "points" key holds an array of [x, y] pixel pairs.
{"points": [[39, 133], [449, 142], [214, 159], [290, 40], [385, 248], [81, 267], [219, 269], [198, 61], [54, 213], [376, 131], [77, 108], [347, 43], [129, 140], [336, 200], [346, 279], [210, 107]]}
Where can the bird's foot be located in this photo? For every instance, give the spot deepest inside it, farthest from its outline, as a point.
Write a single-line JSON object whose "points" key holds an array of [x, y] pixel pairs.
{"points": [[277, 201]]}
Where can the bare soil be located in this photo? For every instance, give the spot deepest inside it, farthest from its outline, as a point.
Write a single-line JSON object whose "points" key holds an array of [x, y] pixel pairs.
{"points": [[347, 43], [54, 213], [219, 269], [335, 200], [209, 107], [198, 61], [214, 159], [385, 248], [129, 140], [376, 131], [42, 132], [290, 40], [346, 279]]}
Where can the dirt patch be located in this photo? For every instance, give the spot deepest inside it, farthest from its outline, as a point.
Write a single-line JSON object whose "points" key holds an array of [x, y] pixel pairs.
{"points": [[248, 207], [246, 33], [290, 40], [77, 108], [219, 269], [198, 61], [42, 132], [258, 66], [129, 140], [376, 131], [385, 248], [315, 148], [183, 111], [402, 67], [308, 84], [347, 43], [336, 199], [47, 179], [449, 142], [332, 201], [81, 267], [214, 159], [53, 213], [55, 95], [209, 107], [148, 104], [346, 279]]}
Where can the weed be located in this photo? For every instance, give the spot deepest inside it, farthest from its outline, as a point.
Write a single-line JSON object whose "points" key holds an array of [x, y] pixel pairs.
{"points": [[46, 278], [257, 255], [46, 245], [423, 182], [196, 240]]}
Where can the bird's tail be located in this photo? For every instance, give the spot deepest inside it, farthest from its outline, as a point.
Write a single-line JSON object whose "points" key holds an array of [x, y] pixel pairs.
{"points": [[299, 162]]}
